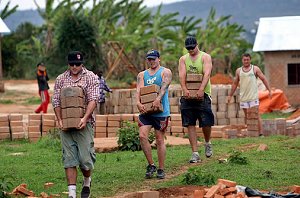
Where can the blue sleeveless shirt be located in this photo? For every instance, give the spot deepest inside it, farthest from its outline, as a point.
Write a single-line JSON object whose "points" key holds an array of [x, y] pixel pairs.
{"points": [[157, 79]]}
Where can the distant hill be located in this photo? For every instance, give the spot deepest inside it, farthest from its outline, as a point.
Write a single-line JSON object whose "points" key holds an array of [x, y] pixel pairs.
{"points": [[243, 12]]}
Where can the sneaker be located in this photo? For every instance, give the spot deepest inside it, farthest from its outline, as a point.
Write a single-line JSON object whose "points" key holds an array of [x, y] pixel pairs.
{"points": [[85, 192], [160, 174], [195, 158], [208, 150], [151, 169]]}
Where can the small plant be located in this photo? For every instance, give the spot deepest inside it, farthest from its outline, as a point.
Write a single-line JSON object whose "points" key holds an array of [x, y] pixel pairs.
{"points": [[193, 177], [5, 185], [32, 101], [237, 158], [51, 140], [129, 137], [6, 102]]}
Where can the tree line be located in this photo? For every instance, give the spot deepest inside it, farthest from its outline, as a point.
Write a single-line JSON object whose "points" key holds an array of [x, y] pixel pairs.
{"points": [[72, 25]]}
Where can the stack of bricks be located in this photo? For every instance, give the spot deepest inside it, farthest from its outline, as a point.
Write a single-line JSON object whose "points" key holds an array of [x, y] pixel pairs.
{"points": [[293, 129], [252, 122], [176, 128], [274, 126], [48, 123], [16, 126], [113, 124], [100, 126], [72, 106], [226, 113], [34, 127], [174, 97], [4, 127], [193, 83], [148, 95]]}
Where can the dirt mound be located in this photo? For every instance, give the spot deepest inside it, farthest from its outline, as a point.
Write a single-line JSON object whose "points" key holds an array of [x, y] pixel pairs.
{"points": [[221, 79], [178, 191]]}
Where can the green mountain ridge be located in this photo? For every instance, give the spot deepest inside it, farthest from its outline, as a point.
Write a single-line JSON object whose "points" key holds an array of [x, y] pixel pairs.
{"points": [[243, 12]]}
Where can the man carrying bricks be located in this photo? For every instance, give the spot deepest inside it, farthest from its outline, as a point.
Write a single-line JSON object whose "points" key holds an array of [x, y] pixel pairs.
{"points": [[197, 107], [162, 77], [246, 76], [78, 142]]}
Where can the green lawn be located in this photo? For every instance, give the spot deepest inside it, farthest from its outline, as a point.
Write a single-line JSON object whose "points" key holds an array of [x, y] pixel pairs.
{"points": [[37, 163]]}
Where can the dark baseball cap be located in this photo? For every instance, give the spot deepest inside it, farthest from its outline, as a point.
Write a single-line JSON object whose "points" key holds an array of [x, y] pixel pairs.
{"points": [[75, 57], [153, 54], [190, 42]]}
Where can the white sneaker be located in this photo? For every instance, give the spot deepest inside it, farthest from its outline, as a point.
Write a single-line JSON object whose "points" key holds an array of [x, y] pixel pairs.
{"points": [[195, 158], [208, 150]]}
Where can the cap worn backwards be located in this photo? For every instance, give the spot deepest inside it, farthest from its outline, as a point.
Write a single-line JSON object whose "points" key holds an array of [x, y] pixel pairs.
{"points": [[153, 54], [190, 41], [75, 57]]}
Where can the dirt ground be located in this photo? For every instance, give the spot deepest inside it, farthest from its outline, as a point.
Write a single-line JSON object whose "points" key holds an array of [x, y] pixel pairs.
{"points": [[19, 90]]}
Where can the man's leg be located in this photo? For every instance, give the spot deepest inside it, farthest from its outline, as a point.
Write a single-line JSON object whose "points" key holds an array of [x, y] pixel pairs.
{"points": [[146, 147], [71, 174], [208, 146], [161, 148], [86, 189], [193, 138]]}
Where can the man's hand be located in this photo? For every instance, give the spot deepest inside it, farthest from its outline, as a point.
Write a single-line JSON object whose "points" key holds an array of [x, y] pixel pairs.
{"points": [[229, 99], [156, 104], [270, 94], [141, 108], [82, 123], [200, 94], [186, 93]]}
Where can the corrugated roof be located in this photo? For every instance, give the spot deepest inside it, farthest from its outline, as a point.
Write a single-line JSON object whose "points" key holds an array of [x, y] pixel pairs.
{"points": [[3, 27], [278, 34]]}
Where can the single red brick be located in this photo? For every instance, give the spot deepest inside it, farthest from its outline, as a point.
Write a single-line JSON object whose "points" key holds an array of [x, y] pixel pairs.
{"points": [[226, 182]]}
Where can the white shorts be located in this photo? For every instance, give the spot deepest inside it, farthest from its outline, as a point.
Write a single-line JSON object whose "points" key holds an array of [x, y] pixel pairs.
{"points": [[247, 105]]}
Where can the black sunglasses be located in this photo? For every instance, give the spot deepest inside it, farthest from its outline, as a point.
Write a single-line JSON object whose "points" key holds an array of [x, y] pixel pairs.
{"points": [[75, 64], [190, 48]]}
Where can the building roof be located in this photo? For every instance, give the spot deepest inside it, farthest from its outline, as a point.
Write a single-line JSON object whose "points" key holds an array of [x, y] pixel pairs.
{"points": [[3, 27], [278, 34]]}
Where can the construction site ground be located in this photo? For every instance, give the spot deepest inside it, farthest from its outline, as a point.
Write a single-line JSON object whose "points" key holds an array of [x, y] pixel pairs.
{"points": [[20, 90]]}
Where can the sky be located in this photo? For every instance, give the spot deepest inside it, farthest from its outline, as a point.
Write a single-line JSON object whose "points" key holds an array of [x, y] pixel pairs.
{"points": [[29, 4]]}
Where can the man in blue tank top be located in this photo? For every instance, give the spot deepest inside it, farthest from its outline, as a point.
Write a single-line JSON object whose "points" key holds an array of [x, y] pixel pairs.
{"points": [[161, 76]]}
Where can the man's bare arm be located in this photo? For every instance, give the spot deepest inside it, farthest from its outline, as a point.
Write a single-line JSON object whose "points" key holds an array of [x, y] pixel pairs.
{"points": [[182, 75], [207, 68], [166, 81], [263, 79]]}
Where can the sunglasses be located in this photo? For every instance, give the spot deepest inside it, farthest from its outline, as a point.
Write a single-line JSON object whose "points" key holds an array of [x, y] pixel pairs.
{"points": [[75, 64], [190, 48], [151, 59]]}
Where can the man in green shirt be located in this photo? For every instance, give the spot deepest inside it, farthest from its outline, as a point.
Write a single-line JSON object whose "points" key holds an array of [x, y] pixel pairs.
{"points": [[196, 61]]}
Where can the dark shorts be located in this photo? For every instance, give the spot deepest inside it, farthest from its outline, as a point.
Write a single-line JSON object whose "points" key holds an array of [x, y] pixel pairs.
{"points": [[193, 110], [158, 123]]}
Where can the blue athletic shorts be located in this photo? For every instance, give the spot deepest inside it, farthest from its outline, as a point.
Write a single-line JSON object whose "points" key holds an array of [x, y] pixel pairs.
{"points": [[158, 123], [194, 109]]}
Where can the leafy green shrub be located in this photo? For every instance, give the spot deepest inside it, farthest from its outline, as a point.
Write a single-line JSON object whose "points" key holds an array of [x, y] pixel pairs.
{"points": [[129, 137], [237, 158], [5, 185], [198, 177]]}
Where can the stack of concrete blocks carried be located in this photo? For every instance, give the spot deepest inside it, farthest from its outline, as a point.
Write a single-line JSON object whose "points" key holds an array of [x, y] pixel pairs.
{"points": [[4, 127], [34, 127], [72, 106], [16, 126], [148, 95], [48, 123], [193, 83]]}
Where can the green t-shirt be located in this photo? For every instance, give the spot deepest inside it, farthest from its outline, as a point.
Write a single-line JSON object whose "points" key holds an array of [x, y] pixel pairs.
{"points": [[196, 67]]}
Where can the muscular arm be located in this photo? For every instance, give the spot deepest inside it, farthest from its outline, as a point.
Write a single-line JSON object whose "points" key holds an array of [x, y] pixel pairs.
{"points": [[57, 112], [263, 78], [207, 68], [182, 75], [166, 81], [234, 84], [139, 84]]}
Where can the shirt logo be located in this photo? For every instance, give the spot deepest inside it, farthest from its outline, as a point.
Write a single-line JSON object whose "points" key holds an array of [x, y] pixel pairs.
{"points": [[150, 81], [78, 56], [193, 69]]}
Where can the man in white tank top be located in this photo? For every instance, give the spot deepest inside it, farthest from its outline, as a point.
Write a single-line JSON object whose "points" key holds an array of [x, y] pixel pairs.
{"points": [[246, 76]]}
